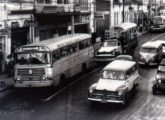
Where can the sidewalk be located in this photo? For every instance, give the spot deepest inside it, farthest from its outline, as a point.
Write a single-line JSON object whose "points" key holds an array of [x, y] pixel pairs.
{"points": [[5, 82], [141, 33]]}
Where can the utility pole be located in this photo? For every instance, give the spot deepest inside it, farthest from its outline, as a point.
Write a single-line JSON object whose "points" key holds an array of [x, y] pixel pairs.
{"points": [[109, 13], [123, 10]]}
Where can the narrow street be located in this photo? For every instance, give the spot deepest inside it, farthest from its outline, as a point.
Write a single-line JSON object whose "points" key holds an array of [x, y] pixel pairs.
{"points": [[72, 104]]}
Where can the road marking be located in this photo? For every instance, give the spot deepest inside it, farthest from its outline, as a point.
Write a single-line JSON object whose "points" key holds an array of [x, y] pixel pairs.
{"points": [[156, 37], [61, 90]]}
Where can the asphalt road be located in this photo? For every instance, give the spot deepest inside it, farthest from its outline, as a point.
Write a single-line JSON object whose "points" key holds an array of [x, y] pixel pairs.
{"points": [[71, 103]]}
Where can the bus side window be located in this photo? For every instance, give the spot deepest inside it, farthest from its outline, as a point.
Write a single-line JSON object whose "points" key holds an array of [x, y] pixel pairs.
{"points": [[63, 52], [55, 56]]}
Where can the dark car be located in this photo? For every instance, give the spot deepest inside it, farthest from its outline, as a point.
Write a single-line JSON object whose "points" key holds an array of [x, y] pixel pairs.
{"points": [[159, 82]]}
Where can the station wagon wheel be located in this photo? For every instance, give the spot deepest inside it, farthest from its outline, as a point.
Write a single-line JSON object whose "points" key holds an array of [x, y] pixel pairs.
{"points": [[125, 100]]}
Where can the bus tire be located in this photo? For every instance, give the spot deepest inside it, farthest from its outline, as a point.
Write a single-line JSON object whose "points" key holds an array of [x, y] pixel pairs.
{"points": [[84, 68], [62, 79]]}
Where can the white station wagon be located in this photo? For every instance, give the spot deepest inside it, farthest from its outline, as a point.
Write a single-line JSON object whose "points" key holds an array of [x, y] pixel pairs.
{"points": [[119, 79]]}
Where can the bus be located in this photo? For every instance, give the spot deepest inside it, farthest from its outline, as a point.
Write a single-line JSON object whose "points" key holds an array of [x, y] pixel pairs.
{"points": [[51, 62], [157, 24], [126, 33]]}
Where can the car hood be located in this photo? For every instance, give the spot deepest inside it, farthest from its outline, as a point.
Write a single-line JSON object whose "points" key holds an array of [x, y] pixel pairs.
{"points": [[107, 49], [147, 56], [109, 85]]}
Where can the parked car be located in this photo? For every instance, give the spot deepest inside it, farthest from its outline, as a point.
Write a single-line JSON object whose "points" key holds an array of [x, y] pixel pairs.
{"points": [[124, 57], [150, 53], [159, 82], [163, 46], [118, 81]]}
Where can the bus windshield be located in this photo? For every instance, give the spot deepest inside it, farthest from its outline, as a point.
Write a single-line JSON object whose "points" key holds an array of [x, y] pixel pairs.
{"points": [[114, 75], [110, 43], [148, 50], [33, 58]]}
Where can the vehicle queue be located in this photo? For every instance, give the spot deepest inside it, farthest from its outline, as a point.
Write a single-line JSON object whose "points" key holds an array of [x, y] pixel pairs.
{"points": [[53, 61]]}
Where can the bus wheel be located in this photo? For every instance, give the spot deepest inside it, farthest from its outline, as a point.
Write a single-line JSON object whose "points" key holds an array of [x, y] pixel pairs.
{"points": [[84, 68], [62, 79]]}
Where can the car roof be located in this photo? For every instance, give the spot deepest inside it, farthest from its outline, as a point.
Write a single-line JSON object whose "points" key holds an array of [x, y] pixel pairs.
{"points": [[152, 44], [120, 65]]}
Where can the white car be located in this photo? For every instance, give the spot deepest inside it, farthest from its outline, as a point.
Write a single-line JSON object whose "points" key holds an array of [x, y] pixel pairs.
{"points": [[150, 53], [163, 45], [109, 50], [118, 80]]}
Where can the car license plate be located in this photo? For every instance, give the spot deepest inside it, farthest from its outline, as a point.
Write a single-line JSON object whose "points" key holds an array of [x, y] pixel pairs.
{"points": [[104, 101]]}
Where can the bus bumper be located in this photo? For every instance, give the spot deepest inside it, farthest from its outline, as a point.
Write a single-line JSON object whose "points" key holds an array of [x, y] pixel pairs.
{"points": [[47, 83]]}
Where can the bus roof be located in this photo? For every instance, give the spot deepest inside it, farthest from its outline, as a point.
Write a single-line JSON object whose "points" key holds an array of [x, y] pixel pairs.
{"points": [[61, 41], [120, 65], [152, 44], [125, 26]]}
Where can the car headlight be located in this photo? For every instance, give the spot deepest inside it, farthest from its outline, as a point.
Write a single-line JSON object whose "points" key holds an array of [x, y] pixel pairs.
{"points": [[43, 78], [120, 92], [141, 57], [19, 78]]}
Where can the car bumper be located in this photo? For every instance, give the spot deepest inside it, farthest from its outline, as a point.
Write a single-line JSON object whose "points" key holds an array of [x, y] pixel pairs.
{"points": [[143, 63], [46, 83], [159, 86], [105, 100]]}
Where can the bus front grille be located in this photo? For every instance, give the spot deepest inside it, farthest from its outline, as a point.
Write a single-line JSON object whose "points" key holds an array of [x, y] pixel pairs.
{"points": [[31, 72]]}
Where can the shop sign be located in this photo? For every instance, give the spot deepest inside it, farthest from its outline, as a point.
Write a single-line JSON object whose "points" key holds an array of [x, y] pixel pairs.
{"points": [[29, 23], [77, 8], [99, 16], [53, 9], [14, 25], [2, 32]]}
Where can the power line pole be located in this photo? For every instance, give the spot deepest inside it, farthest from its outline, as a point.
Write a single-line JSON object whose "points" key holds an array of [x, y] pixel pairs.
{"points": [[123, 10]]}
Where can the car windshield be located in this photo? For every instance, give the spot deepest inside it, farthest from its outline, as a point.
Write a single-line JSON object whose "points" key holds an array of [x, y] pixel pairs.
{"points": [[33, 58], [115, 75], [110, 43], [148, 50]]}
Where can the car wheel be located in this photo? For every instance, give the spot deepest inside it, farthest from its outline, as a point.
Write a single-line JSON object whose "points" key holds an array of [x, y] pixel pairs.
{"points": [[154, 91]]}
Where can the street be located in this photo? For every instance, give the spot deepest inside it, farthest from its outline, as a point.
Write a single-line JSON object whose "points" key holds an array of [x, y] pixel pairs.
{"points": [[71, 102]]}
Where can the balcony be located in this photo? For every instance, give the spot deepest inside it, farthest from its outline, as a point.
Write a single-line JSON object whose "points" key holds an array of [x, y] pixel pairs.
{"points": [[60, 9]]}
